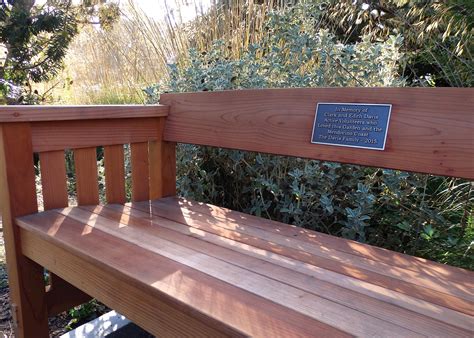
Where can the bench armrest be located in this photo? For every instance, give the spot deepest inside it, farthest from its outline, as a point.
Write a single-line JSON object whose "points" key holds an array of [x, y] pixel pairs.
{"points": [[63, 113]]}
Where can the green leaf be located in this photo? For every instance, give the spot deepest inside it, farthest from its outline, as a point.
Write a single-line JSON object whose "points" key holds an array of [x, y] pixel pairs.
{"points": [[405, 226]]}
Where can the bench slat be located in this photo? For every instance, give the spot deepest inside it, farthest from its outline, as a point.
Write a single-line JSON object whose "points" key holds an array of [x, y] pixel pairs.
{"points": [[212, 226], [85, 161], [114, 173], [426, 279], [163, 296], [430, 128], [393, 258], [333, 314], [374, 291], [53, 179], [180, 234], [140, 171], [78, 265]]}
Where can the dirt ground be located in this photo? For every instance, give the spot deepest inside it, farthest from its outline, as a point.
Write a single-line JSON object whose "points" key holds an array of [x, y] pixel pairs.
{"points": [[5, 316], [57, 324]]}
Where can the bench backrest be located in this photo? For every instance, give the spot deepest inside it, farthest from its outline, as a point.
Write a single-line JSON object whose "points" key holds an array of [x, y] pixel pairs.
{"points": [[431, 129]]}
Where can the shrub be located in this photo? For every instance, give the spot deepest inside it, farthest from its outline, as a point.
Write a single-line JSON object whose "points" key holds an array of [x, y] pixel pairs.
{"points": [[397, 210]]}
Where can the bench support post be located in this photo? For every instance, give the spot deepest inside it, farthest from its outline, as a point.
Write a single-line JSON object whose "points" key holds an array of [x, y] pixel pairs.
{"points": [[162, 159], [17, 198]]}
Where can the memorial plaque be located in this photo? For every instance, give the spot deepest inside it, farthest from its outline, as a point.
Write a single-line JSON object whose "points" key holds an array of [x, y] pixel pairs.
{"points": [[358, 125]]}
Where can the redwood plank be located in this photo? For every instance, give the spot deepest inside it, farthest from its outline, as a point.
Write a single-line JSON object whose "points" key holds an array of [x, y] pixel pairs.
{"points": [[115, 289], [158, 294], [85, 161], [62, 113], [18, 197], [320, 239], [53, 179], [305, 303], [401, 286], [60, 135], [387, 295], [415, 302], [114, 173], [140, 171], [460, 287], [174, 232], [162, 157], [430, 126]]}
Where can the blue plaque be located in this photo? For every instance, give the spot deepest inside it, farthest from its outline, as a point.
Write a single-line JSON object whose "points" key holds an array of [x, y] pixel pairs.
{"points": [[358, 125]]}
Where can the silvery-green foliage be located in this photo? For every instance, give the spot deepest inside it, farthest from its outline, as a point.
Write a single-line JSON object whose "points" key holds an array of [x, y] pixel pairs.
{"points": [[383, 207], [293, 54]]}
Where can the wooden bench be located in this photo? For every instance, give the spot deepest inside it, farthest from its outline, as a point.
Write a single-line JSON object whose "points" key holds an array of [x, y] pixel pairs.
{"points": [[181, 268]]}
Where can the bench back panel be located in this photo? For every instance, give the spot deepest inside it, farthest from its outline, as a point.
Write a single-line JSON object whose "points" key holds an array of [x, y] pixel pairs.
{"points": [[431, 129], [51, 138], [50, 130]]}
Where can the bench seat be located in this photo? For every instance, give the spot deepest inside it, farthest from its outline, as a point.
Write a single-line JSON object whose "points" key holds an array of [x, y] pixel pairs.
{"points": [[178, 267]]}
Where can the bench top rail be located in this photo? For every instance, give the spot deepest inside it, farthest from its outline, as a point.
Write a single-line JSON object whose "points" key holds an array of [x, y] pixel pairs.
{"points": [[430, 131], [65, 113]]}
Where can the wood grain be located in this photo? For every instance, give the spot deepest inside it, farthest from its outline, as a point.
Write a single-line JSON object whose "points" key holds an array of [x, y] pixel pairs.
{"points": [[165, 297], [62, 113], [60, 135], [462, 286], [211, 225], [305, 303], [430, 128], [140, 171], [223, 258], [409, 302], [53, 179], [118, 291], [17, 198], [397, 259], [87, 189], [114, 173], [179, 234]]}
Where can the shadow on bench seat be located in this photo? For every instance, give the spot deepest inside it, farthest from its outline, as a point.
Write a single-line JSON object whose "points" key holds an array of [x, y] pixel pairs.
{"points": [[224, 272]]}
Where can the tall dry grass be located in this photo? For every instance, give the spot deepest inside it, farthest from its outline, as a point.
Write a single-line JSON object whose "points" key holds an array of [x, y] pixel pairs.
{"points": [[113, 66]]}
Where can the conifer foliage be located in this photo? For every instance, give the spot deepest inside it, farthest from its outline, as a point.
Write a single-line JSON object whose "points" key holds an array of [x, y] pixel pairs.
{"points": [[34, 39]]}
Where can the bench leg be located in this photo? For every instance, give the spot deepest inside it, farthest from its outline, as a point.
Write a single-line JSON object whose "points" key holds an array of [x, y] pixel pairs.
{"points": [[17, 198], [28, 300]]}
